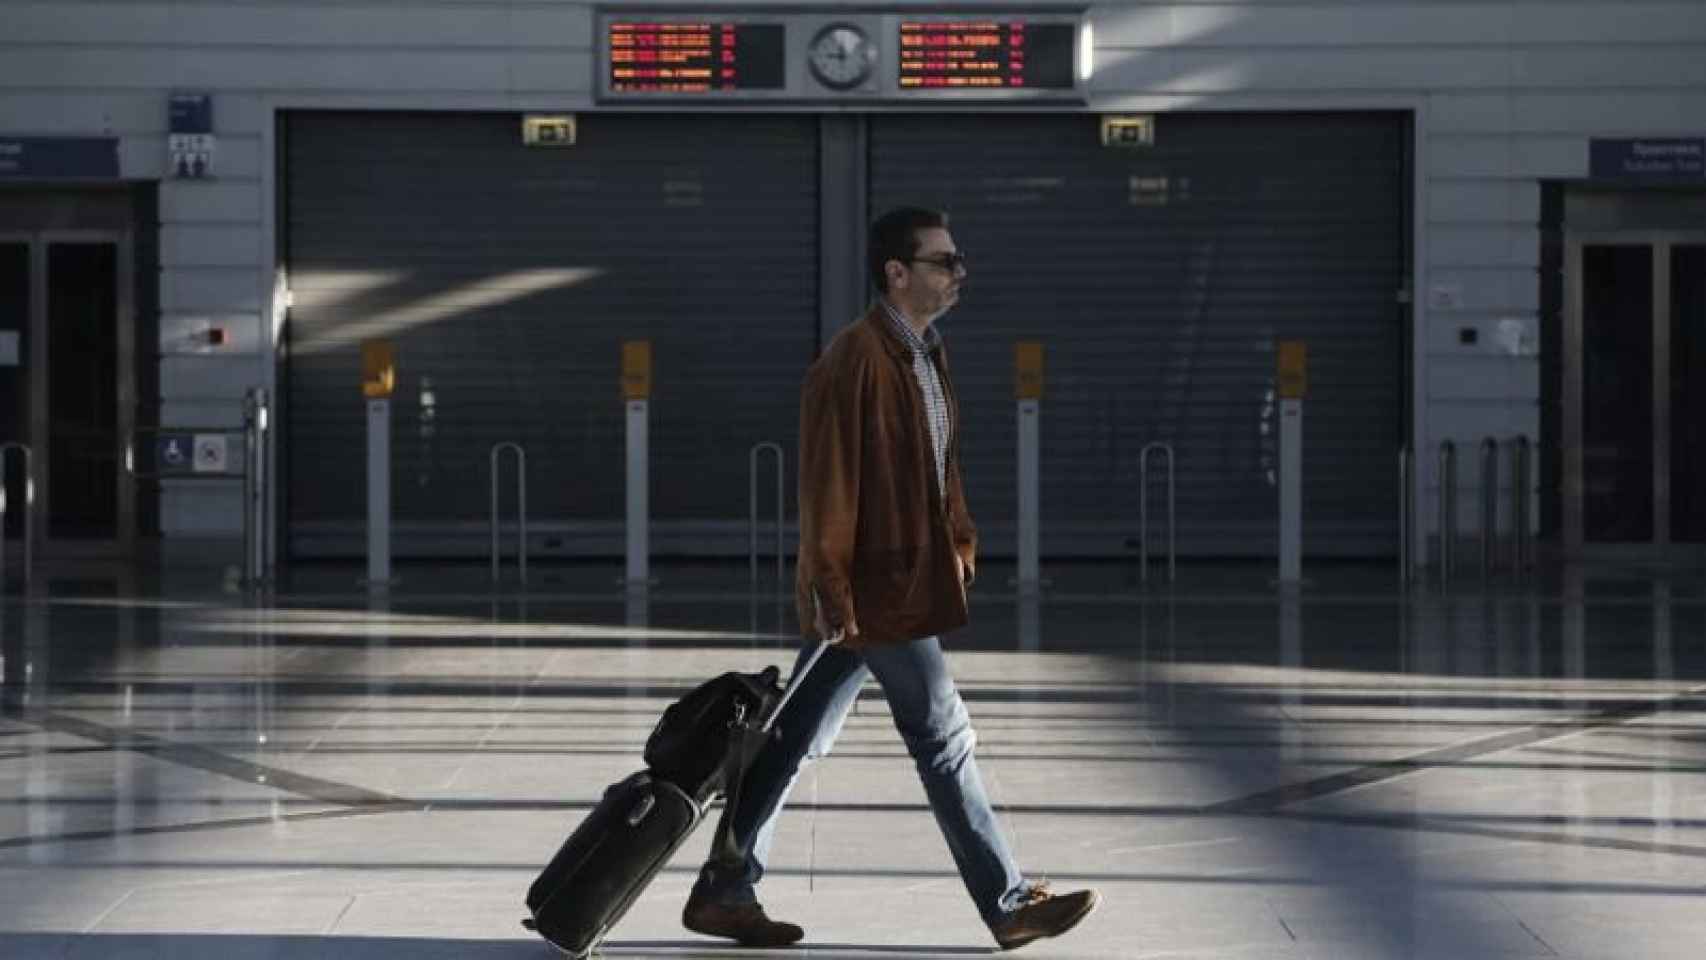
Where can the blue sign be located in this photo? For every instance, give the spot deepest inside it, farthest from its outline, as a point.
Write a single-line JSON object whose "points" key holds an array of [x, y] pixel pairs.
{"points": [[174, 452], [58, 158], [1657, 158], [191, 113]]}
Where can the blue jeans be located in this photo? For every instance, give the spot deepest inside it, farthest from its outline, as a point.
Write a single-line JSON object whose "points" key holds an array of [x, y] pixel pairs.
{"points": [[932, 720]]}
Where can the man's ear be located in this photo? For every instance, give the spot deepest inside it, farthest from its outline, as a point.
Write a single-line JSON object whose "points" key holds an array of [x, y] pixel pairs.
{"points": [[896, 274]]}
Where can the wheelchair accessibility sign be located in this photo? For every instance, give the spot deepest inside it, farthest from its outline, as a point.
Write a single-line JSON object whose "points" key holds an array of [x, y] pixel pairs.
{"points": [[193, 453]]}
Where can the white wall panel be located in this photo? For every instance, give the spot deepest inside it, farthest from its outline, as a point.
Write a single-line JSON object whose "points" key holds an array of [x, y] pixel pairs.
{"points": [[1483, 199], [568, 72], [1442, 335], [556, 25], [1593, 113], [202, 508], [62, 67], [1188, 70], [1617, 22], [1451, 155], [1469, 200], [283, 69], [1469, 113], [82, 114], [79, 23], [198, 245], [371, 25], [1586, 67], [1489, 289], [202, 289], [1551, 157], [1472, 245], [211, 378], [1328, 25], [201, 410], [1482, 378], [209, 200]]}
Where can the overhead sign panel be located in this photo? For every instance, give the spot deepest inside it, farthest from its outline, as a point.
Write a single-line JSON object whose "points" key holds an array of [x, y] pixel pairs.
{"points": [[839, 54], [989, 54], [694, 57]]}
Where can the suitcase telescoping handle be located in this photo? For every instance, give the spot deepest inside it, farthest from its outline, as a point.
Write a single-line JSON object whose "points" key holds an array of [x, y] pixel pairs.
{"points": [[805, 668], [794, 684]]}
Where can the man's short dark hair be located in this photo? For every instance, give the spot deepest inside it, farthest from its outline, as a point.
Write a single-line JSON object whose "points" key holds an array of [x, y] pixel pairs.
{"points": [[894, 236]]}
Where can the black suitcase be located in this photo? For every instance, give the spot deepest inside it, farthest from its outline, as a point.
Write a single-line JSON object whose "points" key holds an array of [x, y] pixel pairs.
{"points": [[609, 860], [641, 821]]}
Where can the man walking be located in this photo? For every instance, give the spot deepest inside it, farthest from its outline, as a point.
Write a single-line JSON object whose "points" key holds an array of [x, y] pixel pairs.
{"points": [[887, 549]]}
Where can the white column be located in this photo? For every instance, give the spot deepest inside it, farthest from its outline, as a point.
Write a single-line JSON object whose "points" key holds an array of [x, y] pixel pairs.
{"points": [[378, 492], [1291, 491], [1030, 414], [639, 505]]}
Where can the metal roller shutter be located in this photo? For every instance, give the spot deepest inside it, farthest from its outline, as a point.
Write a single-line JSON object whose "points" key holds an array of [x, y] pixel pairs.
{"points": [[508, 277], [1160, 281]]}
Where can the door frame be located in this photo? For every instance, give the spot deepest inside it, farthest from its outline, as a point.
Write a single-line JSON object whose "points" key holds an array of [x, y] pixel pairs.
{"points": [[1661, 242], [37, 431]]}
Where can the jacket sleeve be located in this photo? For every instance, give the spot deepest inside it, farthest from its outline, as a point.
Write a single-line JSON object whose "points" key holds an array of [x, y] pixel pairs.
{"points": [[831, 435]]}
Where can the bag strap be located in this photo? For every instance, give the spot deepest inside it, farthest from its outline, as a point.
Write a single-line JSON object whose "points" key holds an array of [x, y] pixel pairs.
{"points": [[723, 847]]}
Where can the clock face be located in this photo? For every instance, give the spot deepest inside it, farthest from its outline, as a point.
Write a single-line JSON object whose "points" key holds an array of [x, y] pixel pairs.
{"points": [[841, 56]]}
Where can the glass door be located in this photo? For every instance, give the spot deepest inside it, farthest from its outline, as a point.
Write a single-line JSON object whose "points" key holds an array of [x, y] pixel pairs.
{"points": [[1688, 393], [1634, 381], [82, 373], [15, 302]]}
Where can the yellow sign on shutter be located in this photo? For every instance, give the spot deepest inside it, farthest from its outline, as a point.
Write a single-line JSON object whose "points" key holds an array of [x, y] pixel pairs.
{"points": [[1293, 373], [636, 370], [1028, 370], [378, 369]]}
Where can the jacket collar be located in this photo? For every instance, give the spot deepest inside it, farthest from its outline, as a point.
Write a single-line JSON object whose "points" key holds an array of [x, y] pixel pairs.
{"points": [[878, 318]]}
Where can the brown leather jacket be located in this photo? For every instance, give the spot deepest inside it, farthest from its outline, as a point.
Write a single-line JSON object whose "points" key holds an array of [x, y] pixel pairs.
{"points": [[876, 538]]}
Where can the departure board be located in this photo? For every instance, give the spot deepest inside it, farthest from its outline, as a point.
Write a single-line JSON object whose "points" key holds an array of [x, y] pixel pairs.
{"points": [[986, 55], [684, 58]]}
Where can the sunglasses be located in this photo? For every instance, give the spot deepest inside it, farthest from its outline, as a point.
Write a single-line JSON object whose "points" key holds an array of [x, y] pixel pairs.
{"points": [[950, 262]]}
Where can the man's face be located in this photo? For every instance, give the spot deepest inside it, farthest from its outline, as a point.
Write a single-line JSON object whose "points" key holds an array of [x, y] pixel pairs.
{"points": [[929, 285]]}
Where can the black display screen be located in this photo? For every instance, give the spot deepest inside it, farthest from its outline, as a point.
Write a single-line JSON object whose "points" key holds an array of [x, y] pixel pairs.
{"points": [[997, 53], [688, 57]]}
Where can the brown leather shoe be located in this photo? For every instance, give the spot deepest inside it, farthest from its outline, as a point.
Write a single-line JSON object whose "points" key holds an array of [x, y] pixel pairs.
{"points": [[1043, 914], [744, 923]]}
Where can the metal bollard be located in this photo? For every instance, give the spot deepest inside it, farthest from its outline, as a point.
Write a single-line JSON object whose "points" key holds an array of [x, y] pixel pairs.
{"points": [[256, 423], [752, 511], [1406, 520], [1143, 511], [1489, 508], [520, 507], [6, 451], [1447, 511], [1521, 535]]}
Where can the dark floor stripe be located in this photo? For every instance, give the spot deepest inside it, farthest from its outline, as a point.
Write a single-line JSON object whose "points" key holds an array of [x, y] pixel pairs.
{"points": [[1268, 801], [211, 761]]}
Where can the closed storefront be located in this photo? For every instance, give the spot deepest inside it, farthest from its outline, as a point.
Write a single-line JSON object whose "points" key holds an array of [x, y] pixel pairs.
{"points": [[508, 278], [1159, 281]]}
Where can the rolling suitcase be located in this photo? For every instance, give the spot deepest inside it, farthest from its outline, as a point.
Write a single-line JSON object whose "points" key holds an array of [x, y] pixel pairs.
{"points": [[702, 745]]}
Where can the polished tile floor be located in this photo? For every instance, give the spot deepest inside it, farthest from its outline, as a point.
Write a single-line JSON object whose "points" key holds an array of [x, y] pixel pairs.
{"points": [[1348, 773]]}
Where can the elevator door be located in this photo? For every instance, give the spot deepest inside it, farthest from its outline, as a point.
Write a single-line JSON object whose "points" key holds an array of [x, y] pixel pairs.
{"points": [[1635, 451]]}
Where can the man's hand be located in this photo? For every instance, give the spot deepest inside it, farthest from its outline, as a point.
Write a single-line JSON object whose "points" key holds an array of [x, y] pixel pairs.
{"points": [[960, 569], [828, 627]]}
